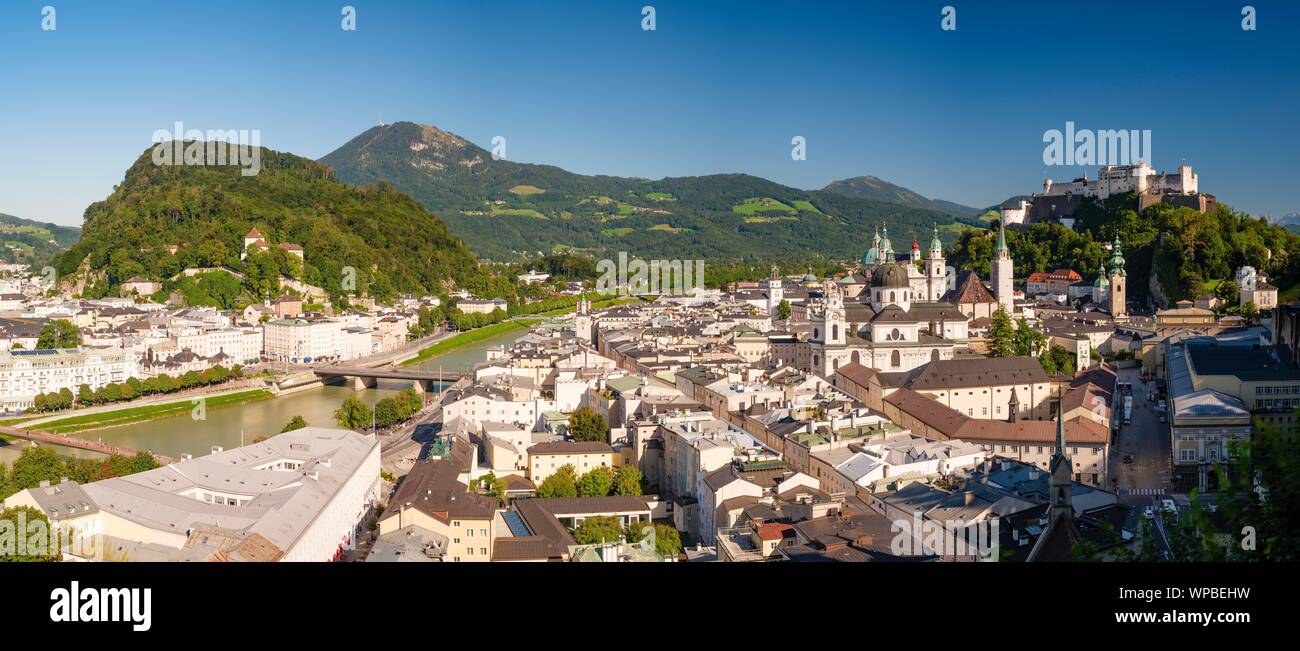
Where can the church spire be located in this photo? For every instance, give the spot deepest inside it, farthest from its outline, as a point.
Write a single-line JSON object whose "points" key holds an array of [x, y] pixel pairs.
{"points": [[1002, 236]]}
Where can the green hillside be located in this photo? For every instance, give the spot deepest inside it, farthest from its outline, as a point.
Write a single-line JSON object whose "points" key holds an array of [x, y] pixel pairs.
{"points": [[506, 210], [23, 241], [392, 243]]}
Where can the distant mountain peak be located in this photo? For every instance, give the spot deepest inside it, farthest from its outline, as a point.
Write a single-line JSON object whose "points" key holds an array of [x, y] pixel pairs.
{"points": [[874, 187]]}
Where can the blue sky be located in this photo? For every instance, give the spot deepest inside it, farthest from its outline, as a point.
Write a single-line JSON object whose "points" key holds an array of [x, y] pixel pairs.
{"points": [[720, 86]]}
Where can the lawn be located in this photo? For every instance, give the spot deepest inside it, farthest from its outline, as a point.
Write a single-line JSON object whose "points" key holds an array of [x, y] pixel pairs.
{"points": [[526, 190], [660, 196], [760, 205], [666, 228], [516, 212], [806, 206], [466, 338], [147, 412], [617, 232], [769, 220]]}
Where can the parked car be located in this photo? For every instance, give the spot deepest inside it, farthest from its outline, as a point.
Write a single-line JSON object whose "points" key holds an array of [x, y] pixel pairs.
{"points": [[1149, 513]]}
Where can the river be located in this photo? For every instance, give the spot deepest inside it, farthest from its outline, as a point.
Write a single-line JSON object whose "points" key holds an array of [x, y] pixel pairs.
{"points": [[227, 426]]}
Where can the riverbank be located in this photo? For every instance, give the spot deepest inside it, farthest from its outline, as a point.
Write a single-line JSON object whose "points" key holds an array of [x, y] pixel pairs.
{"points": [[129, 415], [467, 338], [476, 335]]}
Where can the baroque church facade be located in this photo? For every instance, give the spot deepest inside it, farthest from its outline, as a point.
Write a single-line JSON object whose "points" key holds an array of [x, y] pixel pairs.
{"points": [[888, 315]]}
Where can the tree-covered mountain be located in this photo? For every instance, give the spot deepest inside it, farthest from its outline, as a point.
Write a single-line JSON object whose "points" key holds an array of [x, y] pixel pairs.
{"points": [[870, 187], [23, 241], [162, 219], [506, 210]]}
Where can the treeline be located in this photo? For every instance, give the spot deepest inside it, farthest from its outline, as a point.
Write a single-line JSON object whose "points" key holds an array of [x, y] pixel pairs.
{"points": [[133, 388], [357, 415], [39, 463], [1189, 252]]}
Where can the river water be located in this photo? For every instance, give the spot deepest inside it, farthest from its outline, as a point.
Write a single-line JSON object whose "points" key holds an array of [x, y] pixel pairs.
{"points": [[227, 426]]}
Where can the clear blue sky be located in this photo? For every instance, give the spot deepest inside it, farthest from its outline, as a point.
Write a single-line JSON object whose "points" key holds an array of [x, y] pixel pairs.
{"points": [[721, 86]]}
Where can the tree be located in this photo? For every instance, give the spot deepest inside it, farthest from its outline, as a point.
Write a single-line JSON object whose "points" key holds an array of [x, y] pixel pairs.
{"points": [[598, 529], [297, 422], [36, 464], [560, 484], [627, 480], [587, 425], [597, 482], [59, 333], [1028, 340], [1058, 361], [36, 530], [668, 542], [783, 310], [1001, 337], [142, 461], [353, 414]]}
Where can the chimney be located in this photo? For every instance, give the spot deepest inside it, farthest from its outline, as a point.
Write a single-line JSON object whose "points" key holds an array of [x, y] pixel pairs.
{"points": [[968, 497], [216, 449]]}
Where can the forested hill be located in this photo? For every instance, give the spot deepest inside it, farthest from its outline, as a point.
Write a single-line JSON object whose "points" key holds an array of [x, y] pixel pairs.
{"points": [[1189, 253], [392, 242], [24, 241], [505, 210]]}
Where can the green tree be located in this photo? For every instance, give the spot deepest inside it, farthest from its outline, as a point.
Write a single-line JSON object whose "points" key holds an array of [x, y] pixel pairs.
{"points": [[143, 461], [59, 333], [598, 529], [297, 422], [30, 517], [597, 482], [585, 424], [560, 484], [1028, 340], [627, 480], [1058, 360], [36, 464], [783, 310], [353, 414], [1001, 336], [668, 541]]}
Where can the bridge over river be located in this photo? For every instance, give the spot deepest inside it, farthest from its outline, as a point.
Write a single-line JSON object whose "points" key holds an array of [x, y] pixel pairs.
{"points": [[362, 377], [74, 442]]}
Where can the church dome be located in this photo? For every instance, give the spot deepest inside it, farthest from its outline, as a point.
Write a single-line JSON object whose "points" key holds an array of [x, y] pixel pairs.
{"points": [[809, 278], [889, 275]]}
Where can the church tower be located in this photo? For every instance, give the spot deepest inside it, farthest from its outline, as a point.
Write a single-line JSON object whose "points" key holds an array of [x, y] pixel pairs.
{"points": [[1062, 469], [1002, 273], [935, 269], [774, 292], [1101, 286], [828, 330], [1118, 281]]}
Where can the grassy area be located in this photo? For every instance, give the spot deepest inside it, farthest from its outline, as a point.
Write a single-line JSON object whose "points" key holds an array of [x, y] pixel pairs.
{"points": [[761, 205], [616, 232], [10, 422], [769, 220], [666, 228], [498, 211], [466, 338], [660, 196], [487, 332], [806, 206], [526, 190], [147, 412]]}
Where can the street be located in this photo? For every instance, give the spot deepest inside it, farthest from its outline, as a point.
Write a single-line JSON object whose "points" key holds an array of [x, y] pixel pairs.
{"points": [[1145, 481]]}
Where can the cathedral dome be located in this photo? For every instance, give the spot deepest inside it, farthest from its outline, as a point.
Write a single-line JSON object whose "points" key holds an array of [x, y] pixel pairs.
{"points": [[889, 275]]}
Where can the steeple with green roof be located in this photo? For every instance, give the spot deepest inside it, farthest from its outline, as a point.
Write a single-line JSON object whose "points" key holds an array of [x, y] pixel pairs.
{"points": [[1117, 259]]}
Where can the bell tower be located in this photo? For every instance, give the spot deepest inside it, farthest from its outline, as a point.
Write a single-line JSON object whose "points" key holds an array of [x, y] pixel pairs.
{"points": [[935, 269], [774, 292], [1118, 282]]}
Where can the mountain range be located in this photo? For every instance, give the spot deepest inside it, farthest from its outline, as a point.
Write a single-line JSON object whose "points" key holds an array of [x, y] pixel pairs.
{"points": [[505, 210], [24, 241]]}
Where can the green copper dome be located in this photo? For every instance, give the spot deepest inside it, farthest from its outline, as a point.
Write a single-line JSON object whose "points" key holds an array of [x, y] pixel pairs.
{"points": [[935, 244], [1101, 281]]}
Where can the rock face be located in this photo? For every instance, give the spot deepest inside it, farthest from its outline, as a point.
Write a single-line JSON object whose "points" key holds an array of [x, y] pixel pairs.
{"points": [[1158, 296]]}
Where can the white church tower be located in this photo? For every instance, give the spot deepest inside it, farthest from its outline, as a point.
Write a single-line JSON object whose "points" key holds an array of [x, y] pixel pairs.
{"points": [[1002, 273], [935, 270], [774, 292]]}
